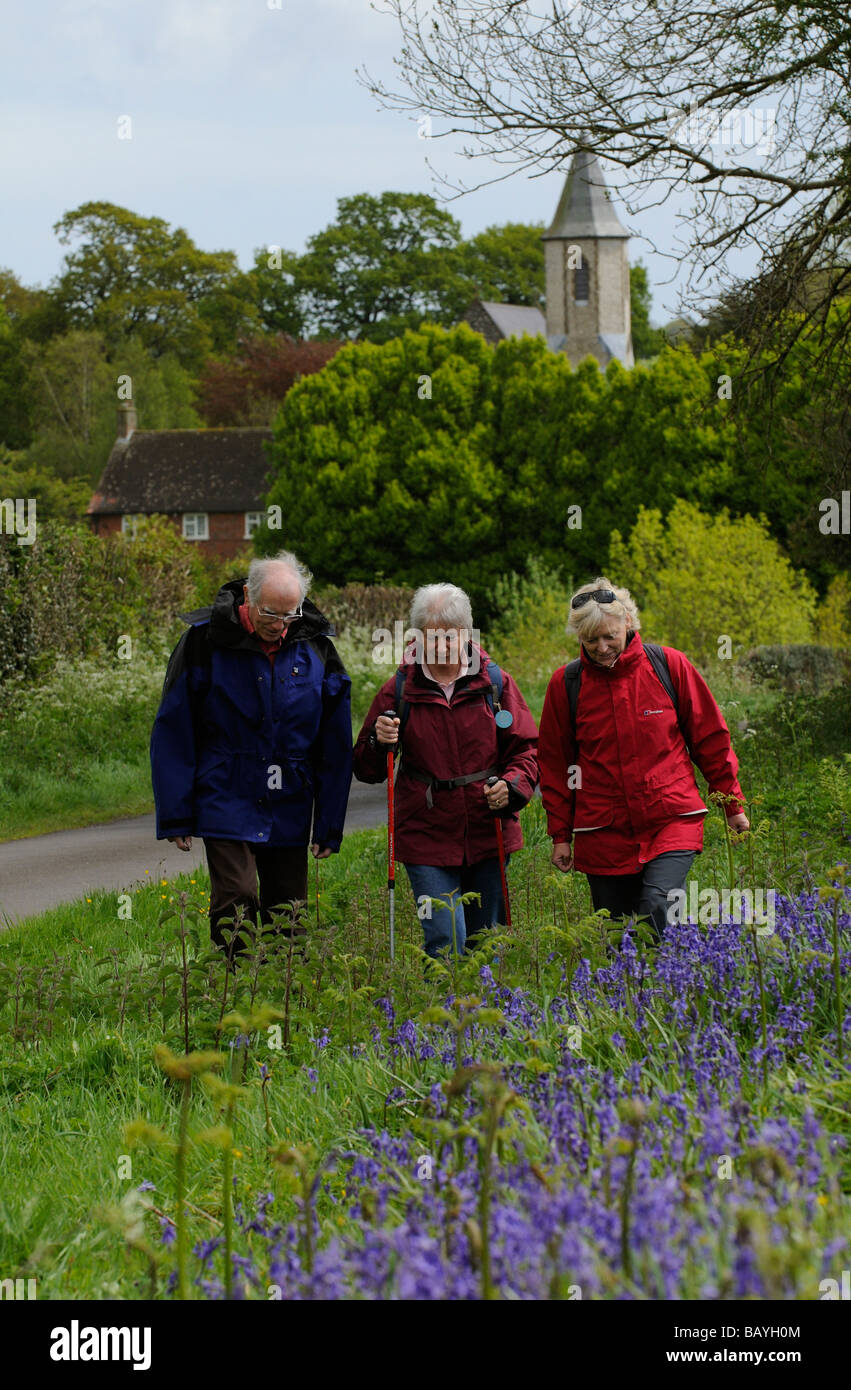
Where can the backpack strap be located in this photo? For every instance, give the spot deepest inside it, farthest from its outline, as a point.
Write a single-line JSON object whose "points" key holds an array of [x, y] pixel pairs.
{"points": [[659, 662], [572, 682], [496, 679], [401, 702]]}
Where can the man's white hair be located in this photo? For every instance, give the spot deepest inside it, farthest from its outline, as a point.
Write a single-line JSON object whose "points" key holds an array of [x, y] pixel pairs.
{"points": [[441, 606], [260, 570]]}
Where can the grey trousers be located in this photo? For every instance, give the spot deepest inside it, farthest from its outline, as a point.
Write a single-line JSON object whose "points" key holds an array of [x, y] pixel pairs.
{"points": [[645, 894]]}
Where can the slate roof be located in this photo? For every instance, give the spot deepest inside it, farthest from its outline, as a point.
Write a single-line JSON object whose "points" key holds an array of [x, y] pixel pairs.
{"points": [[218, 470], [513, 320], [584, 210], [616, 345]]}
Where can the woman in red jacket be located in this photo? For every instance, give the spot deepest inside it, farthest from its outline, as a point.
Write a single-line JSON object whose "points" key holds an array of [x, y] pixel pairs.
{"points": [[451, 745], [621, 783]]}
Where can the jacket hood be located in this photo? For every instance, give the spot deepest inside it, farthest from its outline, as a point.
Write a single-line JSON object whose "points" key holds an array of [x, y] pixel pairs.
{"points": [[226, 630]]}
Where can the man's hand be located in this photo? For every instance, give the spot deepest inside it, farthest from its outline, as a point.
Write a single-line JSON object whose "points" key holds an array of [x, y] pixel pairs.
{"points": [[562, 856], [739, 824], [321, 851], [497, 796], [182, 841], [387, 730]]}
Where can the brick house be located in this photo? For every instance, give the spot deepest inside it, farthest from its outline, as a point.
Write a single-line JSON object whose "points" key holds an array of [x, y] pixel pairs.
{"points": [[208, 482]]}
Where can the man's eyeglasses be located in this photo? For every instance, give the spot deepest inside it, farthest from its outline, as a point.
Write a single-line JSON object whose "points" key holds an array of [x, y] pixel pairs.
{"points": [[284, 618], [601, 595]]}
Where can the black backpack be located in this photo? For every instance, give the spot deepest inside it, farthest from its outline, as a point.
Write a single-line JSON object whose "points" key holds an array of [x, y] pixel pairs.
{"points": [[659, 662]]}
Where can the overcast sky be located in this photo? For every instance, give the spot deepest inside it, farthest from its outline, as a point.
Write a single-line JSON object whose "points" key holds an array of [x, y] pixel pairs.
{"points": [[247, 122]]}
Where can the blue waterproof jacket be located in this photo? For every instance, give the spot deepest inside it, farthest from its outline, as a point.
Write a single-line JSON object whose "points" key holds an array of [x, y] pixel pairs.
{"points": [[248, 749]]}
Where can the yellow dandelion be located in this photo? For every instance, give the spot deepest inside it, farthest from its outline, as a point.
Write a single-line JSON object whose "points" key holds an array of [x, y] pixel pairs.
{"points": [[237, 1153], [88, 900], [822, 1200], [163, 882]]}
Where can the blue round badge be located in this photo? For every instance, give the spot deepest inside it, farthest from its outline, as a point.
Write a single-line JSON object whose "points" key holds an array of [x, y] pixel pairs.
{"points": [[504, 719]]}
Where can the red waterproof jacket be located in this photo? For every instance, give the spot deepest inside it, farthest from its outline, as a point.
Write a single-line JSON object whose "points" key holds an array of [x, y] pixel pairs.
{"points": [[624, 785], [446, 741]]}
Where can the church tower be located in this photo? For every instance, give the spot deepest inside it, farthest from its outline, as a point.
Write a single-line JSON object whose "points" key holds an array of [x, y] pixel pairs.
{"points": [[587, 270]]}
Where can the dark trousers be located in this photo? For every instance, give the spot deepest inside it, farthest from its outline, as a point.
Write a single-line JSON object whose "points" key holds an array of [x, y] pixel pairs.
{"points": [[235, 868], [644, 894]]}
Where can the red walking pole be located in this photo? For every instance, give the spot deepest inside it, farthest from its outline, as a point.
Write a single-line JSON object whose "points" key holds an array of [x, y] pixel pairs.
{"points": [[391, 846], [500, 844]]}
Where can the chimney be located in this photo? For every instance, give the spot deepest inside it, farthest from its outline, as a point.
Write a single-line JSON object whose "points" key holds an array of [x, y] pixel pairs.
{"points": [[126, 419]]}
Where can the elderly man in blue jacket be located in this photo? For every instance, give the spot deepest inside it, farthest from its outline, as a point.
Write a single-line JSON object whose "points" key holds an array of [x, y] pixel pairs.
{"points": [[252, 745]]}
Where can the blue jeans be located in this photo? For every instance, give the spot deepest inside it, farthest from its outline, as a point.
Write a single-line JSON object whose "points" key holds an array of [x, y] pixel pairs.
{"points": [[436, 881]]}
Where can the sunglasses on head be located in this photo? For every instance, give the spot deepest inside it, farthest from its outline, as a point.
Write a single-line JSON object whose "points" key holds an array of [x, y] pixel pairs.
{"points": [[601, 595]]}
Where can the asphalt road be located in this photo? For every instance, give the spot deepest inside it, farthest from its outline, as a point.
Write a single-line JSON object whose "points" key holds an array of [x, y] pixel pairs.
{"points": [[46, 870]]}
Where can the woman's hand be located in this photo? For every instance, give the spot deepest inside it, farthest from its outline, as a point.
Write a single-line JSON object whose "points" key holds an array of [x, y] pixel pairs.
{"points": [[497, 796], [739, 824], [182, 841], [386, 729], [562, 856]]}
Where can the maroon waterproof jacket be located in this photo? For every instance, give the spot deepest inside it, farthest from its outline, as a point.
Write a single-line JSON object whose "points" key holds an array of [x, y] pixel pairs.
{"points": [[445, 741], [635, 796]]}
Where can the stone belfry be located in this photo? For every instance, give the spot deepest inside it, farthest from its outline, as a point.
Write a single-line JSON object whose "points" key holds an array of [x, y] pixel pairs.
{"points": [[587, 270]]}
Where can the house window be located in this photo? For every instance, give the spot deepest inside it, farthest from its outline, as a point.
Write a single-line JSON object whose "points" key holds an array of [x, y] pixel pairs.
{"points": [[129, 524], [252, 521], [580, 283], [195, 526]]}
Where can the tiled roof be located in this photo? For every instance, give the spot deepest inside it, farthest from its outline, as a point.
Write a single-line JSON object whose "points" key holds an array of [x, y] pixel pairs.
{"points": [[202, 470]]}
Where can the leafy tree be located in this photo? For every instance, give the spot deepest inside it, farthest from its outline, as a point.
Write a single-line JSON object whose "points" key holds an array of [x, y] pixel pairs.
{"points": [[699, 578], [506, 264], [131, 276], [646, 340], [56, 499], [248, 388], [791, 436], [374, 477], [74, 392], [276, 293], [834, 617], [15, 430], [385, 265]]}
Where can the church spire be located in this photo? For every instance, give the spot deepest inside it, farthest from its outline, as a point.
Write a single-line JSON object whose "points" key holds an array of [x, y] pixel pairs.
{"points": [[587, 270], [585, 209]]}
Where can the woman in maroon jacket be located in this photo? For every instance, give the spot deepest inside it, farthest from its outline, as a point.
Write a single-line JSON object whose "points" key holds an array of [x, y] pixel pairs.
{"points": [[451, 745], [621, 784]]}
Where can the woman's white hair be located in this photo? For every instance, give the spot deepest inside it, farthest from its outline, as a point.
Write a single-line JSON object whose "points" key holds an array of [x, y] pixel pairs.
{"points": [[259, 570], [586, 620], [441, 606]]}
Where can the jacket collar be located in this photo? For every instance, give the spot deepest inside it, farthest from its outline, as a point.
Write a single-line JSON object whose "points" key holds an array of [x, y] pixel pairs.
{"points": [[625, 662], [226, 630], [417, 687]]}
